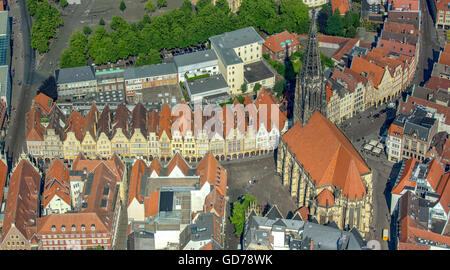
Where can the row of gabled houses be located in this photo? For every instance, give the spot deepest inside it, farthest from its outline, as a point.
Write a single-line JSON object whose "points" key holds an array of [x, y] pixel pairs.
{"points": [[139, 133], [368, 74], [72, 206], [177, 206]]}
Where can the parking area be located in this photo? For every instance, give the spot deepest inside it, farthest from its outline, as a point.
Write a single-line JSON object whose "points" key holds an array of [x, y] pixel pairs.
{"points": [[267, 189]]}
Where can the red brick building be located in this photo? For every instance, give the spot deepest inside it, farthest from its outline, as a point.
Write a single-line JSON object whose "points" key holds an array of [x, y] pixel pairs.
{"points": [[280, 45]]}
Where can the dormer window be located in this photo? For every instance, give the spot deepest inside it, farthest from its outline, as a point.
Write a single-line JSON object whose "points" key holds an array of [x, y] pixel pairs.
{"points": [[73, 227], [53, 228], [83, 227], [93, 227], [63, 228]]}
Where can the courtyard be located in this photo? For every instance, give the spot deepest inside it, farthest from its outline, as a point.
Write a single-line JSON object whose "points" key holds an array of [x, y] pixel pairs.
{"points": [[267, 189]]}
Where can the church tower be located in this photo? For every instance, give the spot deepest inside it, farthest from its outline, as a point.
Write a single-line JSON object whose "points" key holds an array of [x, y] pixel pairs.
{"points": [[310, 91]]}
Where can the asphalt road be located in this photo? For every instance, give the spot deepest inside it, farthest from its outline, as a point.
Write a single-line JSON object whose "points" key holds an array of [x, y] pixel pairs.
{"points": [[23, 63], [429, 46]]}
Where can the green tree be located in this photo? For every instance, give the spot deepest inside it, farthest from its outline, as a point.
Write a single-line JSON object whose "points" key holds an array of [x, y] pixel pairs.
{"points": [[322, 17], [356, 20], [101, 22], [326, 61], [257, 87], [150, 6], [87, 30], [335, 25], [143, 22], [244, 87], [122, 6], [348, 20], [351, 32], [186, 6], [294, 14], [151, 58], [240, 208], [75, 56], [162, 3], [202, 3], [63, 3], [262, 14]]}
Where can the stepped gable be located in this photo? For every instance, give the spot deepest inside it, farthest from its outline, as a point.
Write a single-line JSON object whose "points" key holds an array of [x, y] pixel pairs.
{"points": [[104, 122], [327, 155], [153, 122], [90, 125], [139, 119], [122, 120], [165, 121], [75, 124], [266, 98]]}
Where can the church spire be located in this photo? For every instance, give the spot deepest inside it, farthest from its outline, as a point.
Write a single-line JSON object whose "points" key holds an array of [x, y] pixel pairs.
{"points": [[310, 91]]}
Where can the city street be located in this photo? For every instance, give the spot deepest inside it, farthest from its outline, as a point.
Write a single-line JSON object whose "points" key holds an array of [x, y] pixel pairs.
{"points": [[22, 90]]}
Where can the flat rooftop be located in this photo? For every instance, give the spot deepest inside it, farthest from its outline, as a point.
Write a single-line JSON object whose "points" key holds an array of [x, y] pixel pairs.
{"points": [[257, 71], [204, 85], [194, 58]]}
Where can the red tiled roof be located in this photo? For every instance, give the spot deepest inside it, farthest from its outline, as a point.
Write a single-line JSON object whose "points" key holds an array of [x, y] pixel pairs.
{"points": [[325, 198], [332, 39], [215, 201], [443, 189], [57, 183], [273, 42], [115, 165], [304, 213], [135, 180], [402, 28], [177, 161], [44, 101], [2, 114], [75, 123], [165, 121], [398, 47], [406, 175], [155, 166], [413, 102], [395, 130], [67, 220], [410, 233], [266, 98], [212, 172], [345, 48], [437, 83], [435, 171], [342, 5], [411, 5], [151, 204], [3, 174], [372, 71], [21, 206], [153, 122], [444, 58], [327, 155]]}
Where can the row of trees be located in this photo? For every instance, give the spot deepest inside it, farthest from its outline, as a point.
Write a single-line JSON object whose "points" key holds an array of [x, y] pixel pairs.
{"points": [[185, 27], [336, 25], [46, 20]]}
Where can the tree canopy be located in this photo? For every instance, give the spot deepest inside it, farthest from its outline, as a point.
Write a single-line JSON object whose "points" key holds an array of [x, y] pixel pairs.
{"points": [[240, 208], [46, 20], [150, 6], [183, 27]]}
